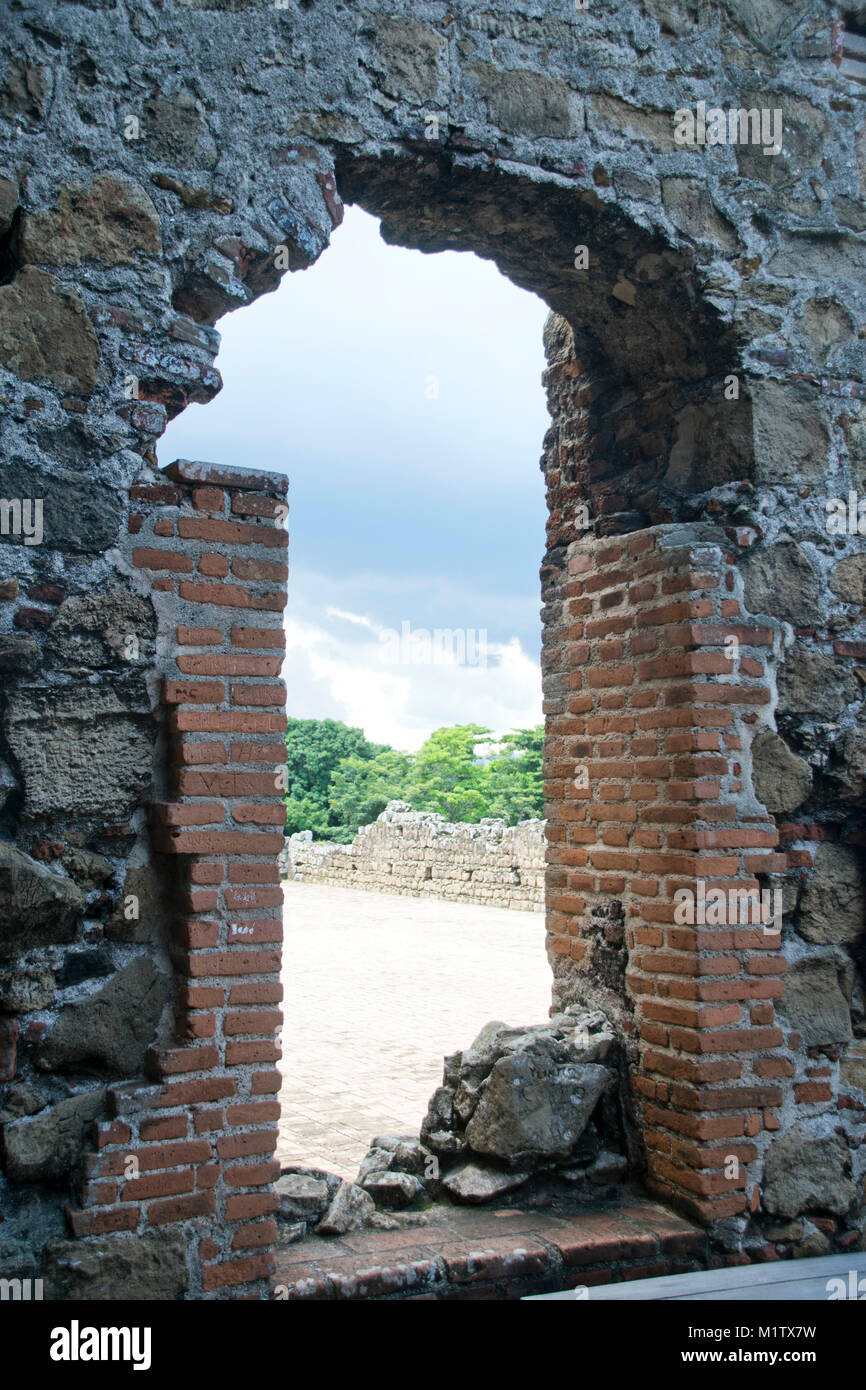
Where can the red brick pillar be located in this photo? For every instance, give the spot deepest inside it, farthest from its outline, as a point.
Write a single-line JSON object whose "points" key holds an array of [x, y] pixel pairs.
{"points": [[651, 706], [202, 1141]]}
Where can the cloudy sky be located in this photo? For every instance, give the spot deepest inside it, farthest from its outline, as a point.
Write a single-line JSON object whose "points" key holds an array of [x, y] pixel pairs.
{"points": [[401, 394]]}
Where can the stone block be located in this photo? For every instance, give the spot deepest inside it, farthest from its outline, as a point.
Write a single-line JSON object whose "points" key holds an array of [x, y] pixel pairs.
{"points": [[37, 907], [807, 1170], [59, 737], [147, 1268], [49, 1146], [108, 1033], [45, 332]]}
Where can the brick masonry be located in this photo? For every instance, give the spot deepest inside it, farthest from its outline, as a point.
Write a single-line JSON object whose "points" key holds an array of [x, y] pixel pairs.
{"points": [[707, 381], [197, 1146]]}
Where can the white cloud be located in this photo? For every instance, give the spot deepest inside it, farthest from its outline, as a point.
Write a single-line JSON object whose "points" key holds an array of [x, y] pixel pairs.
{"points": [[331, 677]]}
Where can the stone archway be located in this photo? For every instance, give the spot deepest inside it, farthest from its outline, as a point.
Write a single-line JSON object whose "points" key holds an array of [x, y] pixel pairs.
{"points": [[706, 386]]}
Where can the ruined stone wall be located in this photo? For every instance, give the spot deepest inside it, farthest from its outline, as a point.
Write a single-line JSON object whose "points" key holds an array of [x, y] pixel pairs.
{"points": [[162, 164], [417, 854]]}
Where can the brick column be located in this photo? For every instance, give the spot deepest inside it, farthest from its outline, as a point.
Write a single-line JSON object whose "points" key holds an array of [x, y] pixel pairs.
{"points": [[202, 1139], [644, 694]]}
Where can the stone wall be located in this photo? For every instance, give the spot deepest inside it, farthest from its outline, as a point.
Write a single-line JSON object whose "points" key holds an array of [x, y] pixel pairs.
{"points": [[163, 164], [418, 855], [140, 992]]}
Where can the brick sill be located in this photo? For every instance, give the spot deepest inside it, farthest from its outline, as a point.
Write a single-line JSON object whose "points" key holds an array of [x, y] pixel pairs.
{"points": [[479, 1253]]}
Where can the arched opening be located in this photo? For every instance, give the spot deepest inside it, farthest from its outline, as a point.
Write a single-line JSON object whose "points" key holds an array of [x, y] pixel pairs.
{"points": [[402, 395], [647, 434]]}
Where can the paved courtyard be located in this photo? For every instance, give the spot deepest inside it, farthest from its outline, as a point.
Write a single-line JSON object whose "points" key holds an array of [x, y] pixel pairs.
{"points": [[377, 990]]}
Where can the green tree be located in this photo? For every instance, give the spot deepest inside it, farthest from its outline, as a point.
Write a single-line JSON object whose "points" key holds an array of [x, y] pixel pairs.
{"points": [[513, 779], [362, 787], [447, 775], [314, 751]]}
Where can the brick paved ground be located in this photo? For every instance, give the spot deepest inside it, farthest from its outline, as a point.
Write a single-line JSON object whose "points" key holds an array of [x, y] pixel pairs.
{"points": [[377, 990], [472, 1253]]}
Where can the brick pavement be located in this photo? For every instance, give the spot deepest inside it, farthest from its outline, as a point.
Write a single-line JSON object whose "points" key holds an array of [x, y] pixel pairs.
{"points": [[470, 1253], [377, 990]]}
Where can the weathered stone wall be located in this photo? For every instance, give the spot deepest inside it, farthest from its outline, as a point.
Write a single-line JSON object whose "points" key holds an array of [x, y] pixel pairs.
{"points": [[163, 164], [418, 854], [165, 968]]}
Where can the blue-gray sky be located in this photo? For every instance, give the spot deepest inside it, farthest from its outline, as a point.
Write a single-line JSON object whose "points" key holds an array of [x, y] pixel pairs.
{"points": [[401, 394]]}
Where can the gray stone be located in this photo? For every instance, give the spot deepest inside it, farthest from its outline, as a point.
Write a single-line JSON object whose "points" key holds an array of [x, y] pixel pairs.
{"points": [[108, 1033], [25, 90], [173, 127], [45, 333], [376, 1160], [349, 1210], [713, 445], [78, 513], [834, 259], [466, 1099], [412, 58], [526, 103], [90, 871], [692, 211], [148, 1268], [608, 1167], [444, 1142], [791, 438], [812, 683], [440, 1115], [533, 1107], [37, 907], [95, 629], [848, 579], [18, 652], [26, 989], [331, 1180], [805, 128], [833, 906], [289, 1232], [815, 1001], [49, 1147], [769, 23], [17, 1261], [301, 1198], [477, 1182], [623, 118], [782, 781], [103, 727], [22, 1100], [812, 1244], [112, 220], [807, 1171], [780, 580], [142, 911], [825, 322], [393, 1190], [852, 1068], [410, 1156]]}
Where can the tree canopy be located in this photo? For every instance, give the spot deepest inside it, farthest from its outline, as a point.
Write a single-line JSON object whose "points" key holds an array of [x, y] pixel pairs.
{"points": [[338, 780]]}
